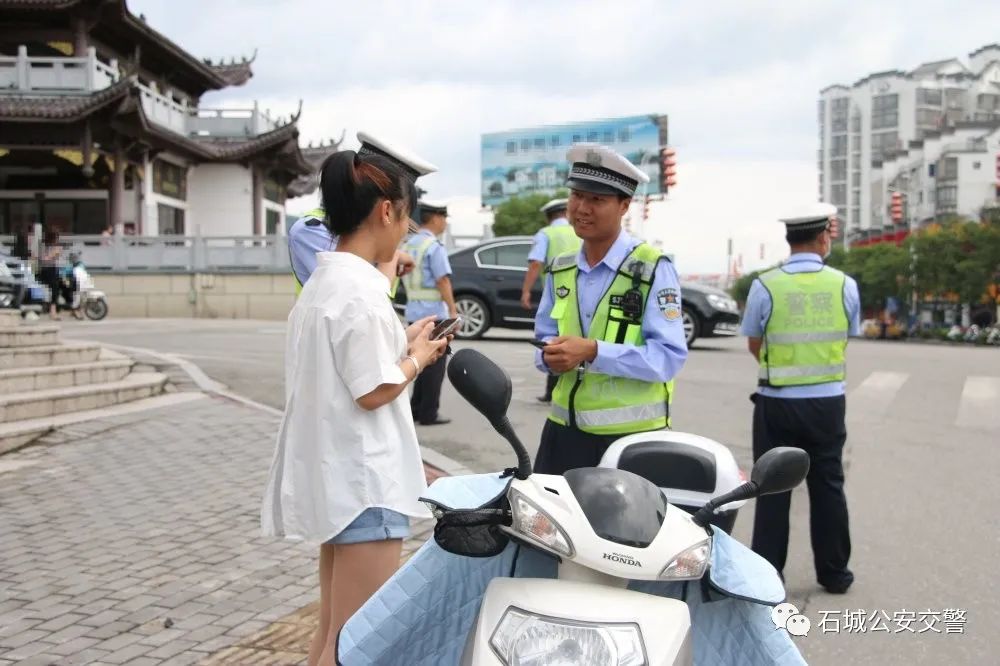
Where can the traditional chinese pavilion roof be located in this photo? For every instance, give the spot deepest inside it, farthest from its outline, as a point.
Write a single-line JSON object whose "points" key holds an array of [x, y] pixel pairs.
{"points": [[113, 25], [234, 73], [120, 106], [61, 108], [314, 155]]}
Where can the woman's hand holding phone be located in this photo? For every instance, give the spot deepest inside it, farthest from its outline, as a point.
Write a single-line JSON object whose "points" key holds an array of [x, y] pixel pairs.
{"points": [[425, 350], [414, 329]]}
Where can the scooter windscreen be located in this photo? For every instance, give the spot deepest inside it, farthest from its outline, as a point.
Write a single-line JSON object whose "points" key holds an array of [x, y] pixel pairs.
{"points": [[620, 506]]}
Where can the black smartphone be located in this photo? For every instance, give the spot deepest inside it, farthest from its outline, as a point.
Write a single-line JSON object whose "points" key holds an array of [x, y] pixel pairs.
{"points": [[538, 343], [446, 327]]}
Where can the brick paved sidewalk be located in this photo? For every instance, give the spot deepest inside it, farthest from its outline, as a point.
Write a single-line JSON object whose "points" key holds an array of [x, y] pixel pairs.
{"points": [[135, 540]]}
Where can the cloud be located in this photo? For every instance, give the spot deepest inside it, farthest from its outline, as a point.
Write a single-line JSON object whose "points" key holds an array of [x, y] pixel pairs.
{"points": [[738, 79]]}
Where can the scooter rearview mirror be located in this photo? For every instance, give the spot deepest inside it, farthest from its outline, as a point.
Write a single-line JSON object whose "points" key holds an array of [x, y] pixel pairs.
{"points": [[486, 386], [482, 383], [779, 470]]}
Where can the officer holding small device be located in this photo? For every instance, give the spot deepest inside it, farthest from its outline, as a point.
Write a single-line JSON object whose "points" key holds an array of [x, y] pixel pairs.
{"points": [[429, 294]]}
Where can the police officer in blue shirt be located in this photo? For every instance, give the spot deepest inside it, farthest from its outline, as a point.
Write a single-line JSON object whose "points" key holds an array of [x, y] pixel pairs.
{"points": [[309, 234], [554, 240], [429, 294], [797, 321], [611, 317]]}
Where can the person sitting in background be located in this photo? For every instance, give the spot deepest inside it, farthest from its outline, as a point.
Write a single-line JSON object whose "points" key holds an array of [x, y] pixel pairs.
{"points": [[21, 248], [48, 270]]}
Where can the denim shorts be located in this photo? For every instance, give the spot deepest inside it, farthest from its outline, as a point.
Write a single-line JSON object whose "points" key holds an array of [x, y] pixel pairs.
{"points": [[374, 524]]}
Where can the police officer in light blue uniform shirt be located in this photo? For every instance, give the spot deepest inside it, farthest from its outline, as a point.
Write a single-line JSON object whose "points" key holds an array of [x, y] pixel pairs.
{"points": [[556, 211], [602, 183], [309, 234], [793, 406], [429, 294]]}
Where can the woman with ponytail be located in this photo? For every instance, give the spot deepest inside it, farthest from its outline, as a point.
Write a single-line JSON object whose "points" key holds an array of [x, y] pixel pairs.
{"points": [[347, 471]]}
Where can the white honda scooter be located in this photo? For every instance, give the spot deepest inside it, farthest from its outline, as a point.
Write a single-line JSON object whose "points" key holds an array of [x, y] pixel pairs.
{"points": [[606, 526]]}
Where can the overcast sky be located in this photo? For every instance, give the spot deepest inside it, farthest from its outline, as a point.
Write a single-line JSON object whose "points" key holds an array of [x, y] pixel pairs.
{"points": [[739, 81]]}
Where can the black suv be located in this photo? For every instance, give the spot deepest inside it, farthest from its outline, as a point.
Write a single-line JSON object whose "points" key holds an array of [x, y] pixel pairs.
{"points": [[487, 281]]}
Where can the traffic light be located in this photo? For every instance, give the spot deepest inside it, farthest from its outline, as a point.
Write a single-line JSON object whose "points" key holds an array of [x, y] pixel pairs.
{"points": [[645, 208], [998, 169], [896, 209], [668, 169]]}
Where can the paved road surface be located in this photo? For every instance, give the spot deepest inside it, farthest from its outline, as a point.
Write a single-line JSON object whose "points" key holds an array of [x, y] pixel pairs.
{"points": [[924, 424]]}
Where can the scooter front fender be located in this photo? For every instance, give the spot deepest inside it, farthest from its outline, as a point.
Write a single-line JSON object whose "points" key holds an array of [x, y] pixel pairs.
{"points": [[664, 624]]}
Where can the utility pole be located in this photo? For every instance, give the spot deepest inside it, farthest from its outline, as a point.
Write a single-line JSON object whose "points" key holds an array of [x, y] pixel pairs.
{"points": [[729, 263]]}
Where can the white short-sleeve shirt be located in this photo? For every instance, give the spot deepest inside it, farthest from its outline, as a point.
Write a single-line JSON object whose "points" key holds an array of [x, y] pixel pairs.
{"points": [[334, 459]]}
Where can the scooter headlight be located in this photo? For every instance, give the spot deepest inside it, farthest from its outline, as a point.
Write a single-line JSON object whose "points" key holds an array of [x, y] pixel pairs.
{"points": [[526, 639], [532, 522], [690, 564]]}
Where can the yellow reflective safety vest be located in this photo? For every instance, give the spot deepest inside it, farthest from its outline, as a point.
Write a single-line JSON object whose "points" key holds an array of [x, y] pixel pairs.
{"points": [[604, 404], [562, 240], [415, 291], [805, 337]]}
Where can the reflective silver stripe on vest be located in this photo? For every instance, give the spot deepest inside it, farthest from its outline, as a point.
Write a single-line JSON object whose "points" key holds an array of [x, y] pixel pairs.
{"points": [[794, 338], [563, 261], [802, 371], [613, 416]]}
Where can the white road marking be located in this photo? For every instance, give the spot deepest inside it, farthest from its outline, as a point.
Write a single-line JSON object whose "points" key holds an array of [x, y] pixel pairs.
{"points": [[980, 406], [874, 396]]}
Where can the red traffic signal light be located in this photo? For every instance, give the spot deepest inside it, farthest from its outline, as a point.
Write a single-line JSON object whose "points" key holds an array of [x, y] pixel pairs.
{"points": [[998, 168], [896, 208], [668, 168]]}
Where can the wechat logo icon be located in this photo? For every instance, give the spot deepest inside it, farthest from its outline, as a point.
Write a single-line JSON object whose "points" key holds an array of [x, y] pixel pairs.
{"points": [[786, 616]]}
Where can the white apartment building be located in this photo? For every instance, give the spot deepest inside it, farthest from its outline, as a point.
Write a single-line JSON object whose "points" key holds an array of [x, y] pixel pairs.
{"points": [[952, 172], [866, 131]]}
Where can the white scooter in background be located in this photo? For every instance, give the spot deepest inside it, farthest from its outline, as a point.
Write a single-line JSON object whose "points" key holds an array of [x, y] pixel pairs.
{"points": [[92, 300], [613, 545]]}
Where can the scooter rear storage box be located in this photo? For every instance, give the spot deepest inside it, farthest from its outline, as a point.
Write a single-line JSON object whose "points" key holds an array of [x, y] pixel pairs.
{"points": [[689, 469]]}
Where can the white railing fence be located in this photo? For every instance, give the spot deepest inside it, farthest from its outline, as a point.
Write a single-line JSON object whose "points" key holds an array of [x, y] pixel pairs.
{"points": [[195, 254], [177, 254]]}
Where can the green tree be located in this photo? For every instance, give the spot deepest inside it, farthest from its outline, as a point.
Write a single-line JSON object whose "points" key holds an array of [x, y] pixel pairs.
{"points": [[519, 216], [883, 273], [741, 288]]}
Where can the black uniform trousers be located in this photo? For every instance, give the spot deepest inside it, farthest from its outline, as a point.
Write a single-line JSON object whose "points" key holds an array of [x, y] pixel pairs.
{"points": [[550, 385], [817, 426], [426, 398], [564, 448]]}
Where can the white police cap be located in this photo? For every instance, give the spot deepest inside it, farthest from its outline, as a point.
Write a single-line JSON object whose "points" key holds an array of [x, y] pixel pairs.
{"points": [[433, 206], [805, 217], [600, 170], [414, 165], [554, 205]]}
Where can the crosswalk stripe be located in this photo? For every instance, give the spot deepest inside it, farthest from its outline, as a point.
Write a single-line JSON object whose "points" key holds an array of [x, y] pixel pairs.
{"points": [[875, 394], [980, 406]]}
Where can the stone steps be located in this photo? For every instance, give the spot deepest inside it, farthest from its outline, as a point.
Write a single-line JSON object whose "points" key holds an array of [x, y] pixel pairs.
{"points": [[9, 318], [45, 383], [28, 336], [106, 369], [56, 401], [69, 353], [19, 433]]}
